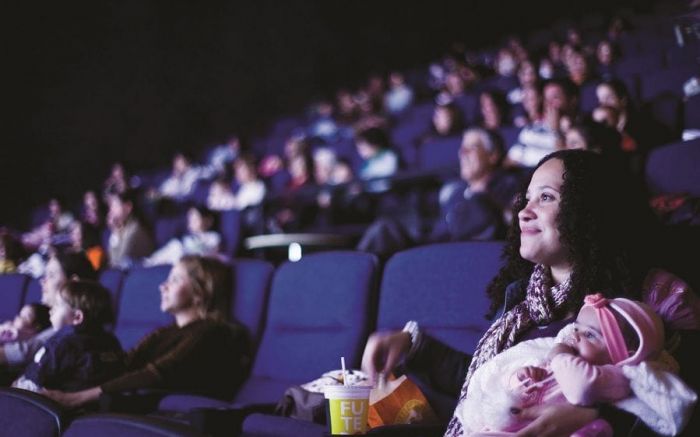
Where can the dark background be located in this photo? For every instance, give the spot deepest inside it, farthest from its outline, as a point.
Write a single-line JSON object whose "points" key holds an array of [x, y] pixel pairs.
{"points": [[86, 83]]}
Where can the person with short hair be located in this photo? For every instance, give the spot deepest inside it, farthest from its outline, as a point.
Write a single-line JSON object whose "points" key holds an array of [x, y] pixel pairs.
{"points": [[129, 240], [82, 353], [61, 267], [199, 353]]}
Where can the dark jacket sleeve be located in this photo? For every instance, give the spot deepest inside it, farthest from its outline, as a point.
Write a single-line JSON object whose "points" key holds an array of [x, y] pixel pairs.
{"points": [[445, 368]]}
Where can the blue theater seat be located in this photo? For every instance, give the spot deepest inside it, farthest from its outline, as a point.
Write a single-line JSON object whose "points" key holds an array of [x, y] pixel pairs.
{"points": [[230, 230], [674, 168], [440, 154], [139, 305], [672, 80], [692, 113], [320, 308], [12, 287], [33, 292], [112, 280], [118, 425], [250, 295], [639, 64], [443, 287], [23, 413]]}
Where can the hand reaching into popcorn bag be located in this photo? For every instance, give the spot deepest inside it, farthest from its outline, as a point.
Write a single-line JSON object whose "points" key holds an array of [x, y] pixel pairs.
{"points": [[398, 401]]}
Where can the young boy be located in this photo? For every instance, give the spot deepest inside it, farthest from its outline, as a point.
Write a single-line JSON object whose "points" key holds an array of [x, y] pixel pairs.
{"points": [[82, 353]]}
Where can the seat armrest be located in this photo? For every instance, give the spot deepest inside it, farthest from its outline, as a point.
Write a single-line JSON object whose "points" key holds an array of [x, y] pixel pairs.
{"points": [[224, 421], [132, 402]]}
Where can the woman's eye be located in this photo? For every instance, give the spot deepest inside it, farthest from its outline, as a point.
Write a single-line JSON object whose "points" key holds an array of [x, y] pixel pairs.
{"points": [[546, 197]]}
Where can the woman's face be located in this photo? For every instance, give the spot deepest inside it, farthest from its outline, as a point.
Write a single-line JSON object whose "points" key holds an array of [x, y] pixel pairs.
{"points": [[604, 53], [195, 222], [90, 200], [54, 278], [442, 120], [244, 173], [176, 292], [607, 97], [540, 241]]}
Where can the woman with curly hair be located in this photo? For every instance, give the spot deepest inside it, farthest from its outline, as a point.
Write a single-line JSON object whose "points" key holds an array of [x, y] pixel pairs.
{"points": [[579, 229]]}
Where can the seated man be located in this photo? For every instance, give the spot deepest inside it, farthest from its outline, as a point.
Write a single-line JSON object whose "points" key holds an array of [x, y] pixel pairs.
{"points": [[471, 208]]}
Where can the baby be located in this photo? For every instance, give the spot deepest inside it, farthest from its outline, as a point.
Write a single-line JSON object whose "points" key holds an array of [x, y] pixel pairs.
{"points": [[31, 320], [600, 358]]}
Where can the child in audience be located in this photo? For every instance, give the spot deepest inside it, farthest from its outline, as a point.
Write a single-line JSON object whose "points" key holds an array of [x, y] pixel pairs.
{"points": [[250, 190], [31, 320], [81, 353], [201, 239], [613, 346]]}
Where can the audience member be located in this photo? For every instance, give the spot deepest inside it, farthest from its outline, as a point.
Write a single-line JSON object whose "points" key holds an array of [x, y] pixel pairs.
{"points": [[379, 160], [117, 181], [471, 208], [577, 232], [129, 240], [182, 179], [86, 237], [250, 191], [60, 268], [81, 353], [222, 156], [201, 239], [199, 353], [92, 211], [399, 96], [53, 231], [539, 138]]}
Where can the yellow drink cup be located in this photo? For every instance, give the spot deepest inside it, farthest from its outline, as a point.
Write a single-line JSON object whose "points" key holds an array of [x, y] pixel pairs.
{"points": [[347, 408]]}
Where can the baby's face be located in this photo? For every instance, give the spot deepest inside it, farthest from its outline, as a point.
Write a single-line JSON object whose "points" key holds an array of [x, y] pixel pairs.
{"points": [[587, 339], [25, 319]]}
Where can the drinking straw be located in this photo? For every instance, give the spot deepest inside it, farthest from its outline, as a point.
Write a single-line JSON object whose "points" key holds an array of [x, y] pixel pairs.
{"points": [[345, 373]]}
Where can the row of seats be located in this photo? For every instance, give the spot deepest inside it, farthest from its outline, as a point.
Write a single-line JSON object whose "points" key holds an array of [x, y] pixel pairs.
{"points": [[323, 307], [26, 413]]}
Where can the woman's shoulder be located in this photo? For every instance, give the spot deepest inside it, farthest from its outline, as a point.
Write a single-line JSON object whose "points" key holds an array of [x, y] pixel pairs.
{"points": [[217, 327]]}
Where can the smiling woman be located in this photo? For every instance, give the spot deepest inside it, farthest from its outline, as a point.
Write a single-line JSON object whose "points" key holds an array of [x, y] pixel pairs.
{"points": [[199, 353], [579, 229]]}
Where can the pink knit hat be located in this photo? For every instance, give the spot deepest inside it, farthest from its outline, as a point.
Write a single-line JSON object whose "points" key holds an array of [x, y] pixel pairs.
{"points": [[645, 322]]}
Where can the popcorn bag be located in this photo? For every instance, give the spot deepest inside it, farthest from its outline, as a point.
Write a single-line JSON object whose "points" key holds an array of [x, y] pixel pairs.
{"points": [[398, 401]]}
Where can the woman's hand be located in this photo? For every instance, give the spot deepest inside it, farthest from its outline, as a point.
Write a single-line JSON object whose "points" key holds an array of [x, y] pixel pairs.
{"points": [[559, 420], [73, 399], [383, 351]]}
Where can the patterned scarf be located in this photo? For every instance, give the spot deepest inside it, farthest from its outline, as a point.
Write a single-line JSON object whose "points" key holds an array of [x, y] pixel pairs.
{"points": [[541, 304]]}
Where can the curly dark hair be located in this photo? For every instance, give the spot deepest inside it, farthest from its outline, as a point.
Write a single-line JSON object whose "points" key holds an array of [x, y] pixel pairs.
{"points": [[603, 218]]}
